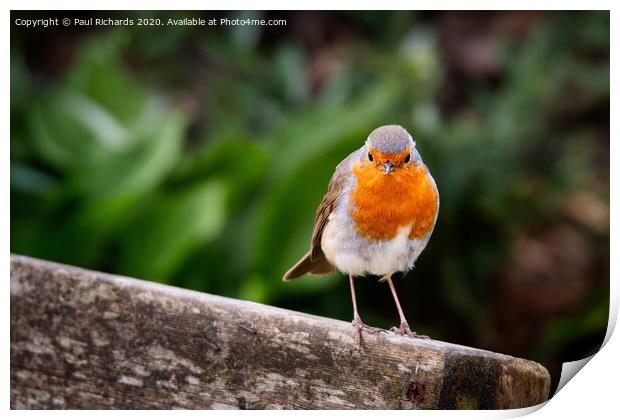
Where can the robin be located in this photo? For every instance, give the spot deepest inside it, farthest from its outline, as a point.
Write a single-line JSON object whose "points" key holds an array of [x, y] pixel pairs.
{"points": [[377, 216]]}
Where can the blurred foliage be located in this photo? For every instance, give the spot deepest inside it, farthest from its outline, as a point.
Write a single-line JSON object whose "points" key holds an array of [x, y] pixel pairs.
{"points": [[197, 157]]}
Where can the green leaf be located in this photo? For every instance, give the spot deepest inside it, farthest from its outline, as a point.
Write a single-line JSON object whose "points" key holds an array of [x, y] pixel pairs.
{"points": [[70, 130], [98, 74], [28, 179], [139, 169], [171, 227]]}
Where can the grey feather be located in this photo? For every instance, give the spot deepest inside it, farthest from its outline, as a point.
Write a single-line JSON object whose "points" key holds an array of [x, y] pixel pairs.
{"points": [[390, 139]]}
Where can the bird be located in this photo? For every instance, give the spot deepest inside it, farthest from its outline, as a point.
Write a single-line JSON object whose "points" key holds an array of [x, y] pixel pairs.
{"points": [[376, 218]]}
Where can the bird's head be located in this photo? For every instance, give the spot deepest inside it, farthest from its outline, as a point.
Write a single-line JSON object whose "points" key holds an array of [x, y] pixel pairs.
{"points": [[390, 148]]}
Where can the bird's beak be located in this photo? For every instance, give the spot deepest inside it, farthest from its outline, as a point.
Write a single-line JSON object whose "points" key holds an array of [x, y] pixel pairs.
{"points": [[388, 167]]}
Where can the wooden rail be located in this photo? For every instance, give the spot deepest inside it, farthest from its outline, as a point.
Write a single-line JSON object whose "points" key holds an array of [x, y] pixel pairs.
{"points": [[83, 339]]}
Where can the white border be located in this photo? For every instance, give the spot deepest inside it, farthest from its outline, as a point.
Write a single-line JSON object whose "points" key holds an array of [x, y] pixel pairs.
{"points": [[593, 390]]}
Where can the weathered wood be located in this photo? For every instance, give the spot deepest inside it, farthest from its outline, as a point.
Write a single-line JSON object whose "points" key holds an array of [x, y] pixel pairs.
{"points": [[82, 339]]}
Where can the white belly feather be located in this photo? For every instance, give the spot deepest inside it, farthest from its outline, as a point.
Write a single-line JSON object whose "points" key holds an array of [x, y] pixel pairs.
{"points": [[357, 256]]}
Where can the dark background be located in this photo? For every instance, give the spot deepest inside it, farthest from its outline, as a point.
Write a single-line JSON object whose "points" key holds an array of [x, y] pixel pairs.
{"points": [[197, 156]]}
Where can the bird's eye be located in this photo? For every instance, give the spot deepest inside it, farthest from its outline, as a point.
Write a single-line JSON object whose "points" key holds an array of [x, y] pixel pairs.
{"points": [[370, 156], [408, 158]]}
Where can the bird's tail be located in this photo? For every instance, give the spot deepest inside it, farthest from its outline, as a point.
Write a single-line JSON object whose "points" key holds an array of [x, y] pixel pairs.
{"points": [[318, 265]]}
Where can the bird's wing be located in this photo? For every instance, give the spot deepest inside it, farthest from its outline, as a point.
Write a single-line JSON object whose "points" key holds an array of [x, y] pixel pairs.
{"points": [[315, 262], [334, 192]]}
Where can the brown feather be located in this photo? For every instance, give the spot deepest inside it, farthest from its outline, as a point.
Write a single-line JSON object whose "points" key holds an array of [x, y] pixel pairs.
{"points": [[315, 262], [308, 266]]}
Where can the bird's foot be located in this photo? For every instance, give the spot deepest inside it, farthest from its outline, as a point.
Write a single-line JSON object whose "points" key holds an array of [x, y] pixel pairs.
{"points": [[360, 326], [406, 331]]}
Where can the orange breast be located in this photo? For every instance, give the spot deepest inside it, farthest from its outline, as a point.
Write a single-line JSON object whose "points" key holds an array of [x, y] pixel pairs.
{"points": [[382, 203]]}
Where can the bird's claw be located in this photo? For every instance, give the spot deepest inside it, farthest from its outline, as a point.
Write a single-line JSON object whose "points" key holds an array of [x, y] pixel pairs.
{"points": [[360, 326], [406, 331]]}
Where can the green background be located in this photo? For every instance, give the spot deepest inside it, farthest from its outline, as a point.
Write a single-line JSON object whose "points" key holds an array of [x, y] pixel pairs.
{"points": [[196, 156]]}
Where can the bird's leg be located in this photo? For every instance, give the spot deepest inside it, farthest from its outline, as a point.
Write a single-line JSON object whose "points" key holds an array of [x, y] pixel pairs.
{"points": [[357, 320], [404, 325]]}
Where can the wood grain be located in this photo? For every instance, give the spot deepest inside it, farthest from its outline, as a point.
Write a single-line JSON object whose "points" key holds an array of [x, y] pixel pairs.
{"points": [[83, 339]]}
